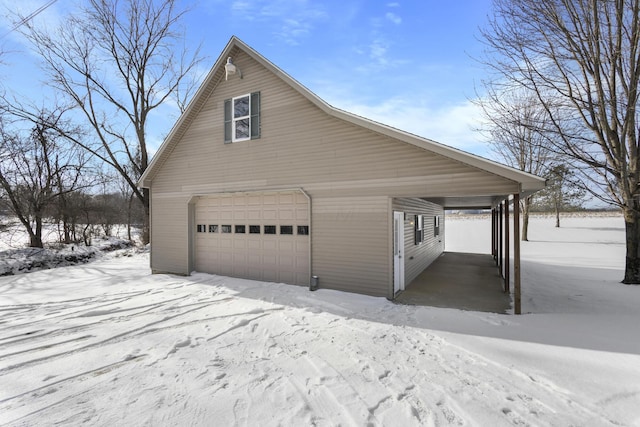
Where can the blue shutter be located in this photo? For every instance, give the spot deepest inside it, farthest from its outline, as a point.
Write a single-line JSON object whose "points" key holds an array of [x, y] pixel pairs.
{"points": [[255, 115], [227, 122]]}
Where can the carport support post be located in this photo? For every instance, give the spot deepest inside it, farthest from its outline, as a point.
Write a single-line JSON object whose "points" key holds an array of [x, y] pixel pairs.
{"points": [[517, 308], [506, 246], [493, 233], [500, 237]]}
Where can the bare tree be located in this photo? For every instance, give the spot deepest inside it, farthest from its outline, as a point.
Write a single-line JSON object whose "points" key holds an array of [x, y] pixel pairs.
{"points": [[35, 170], [118, 61], [512, 125], [582, 60], [562, 192]]}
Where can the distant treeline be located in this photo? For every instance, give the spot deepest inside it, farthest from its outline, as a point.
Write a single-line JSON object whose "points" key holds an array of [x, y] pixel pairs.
{"points": [[79, 216]]}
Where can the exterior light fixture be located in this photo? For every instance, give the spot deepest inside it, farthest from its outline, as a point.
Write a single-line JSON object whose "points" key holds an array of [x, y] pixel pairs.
{"points": [[230, 69]]}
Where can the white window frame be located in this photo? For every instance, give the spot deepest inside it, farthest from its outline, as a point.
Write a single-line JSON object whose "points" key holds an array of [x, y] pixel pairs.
{"points": [[235, 119]]}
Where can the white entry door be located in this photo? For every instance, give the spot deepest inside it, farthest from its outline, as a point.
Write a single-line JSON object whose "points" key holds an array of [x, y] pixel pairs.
{"points": [[398, 252]]}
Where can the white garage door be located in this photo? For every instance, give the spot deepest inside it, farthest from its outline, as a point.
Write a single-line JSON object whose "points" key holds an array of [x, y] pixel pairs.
{"points": [[255, 236]]}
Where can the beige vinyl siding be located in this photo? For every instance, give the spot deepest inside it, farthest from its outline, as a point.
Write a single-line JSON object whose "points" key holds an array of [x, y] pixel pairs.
{"points": [[170, 234], [301, 146], [419, 257], [350, 245]]}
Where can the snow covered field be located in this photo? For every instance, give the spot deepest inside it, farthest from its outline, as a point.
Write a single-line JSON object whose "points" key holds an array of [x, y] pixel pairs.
{"points": [[107, 343]]}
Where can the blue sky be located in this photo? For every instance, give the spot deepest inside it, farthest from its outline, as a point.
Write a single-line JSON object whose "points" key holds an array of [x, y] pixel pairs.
{"points": [[408, 64]]}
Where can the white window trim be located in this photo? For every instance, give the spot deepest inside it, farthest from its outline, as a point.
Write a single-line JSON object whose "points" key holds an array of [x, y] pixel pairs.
{"points": [[235, 119]]}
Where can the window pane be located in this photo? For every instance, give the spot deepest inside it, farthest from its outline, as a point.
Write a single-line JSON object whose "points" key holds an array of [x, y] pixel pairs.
{"points": [[303, 230], [242, 128], [226, 228], [254, 229], [286, 229], [213, 228], [269, 229], [241, 229], [201, 228], [241, 107]]}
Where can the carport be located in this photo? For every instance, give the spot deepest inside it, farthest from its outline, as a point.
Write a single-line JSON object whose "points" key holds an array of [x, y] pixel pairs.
{"points": [[466, 281], [478, 282]]}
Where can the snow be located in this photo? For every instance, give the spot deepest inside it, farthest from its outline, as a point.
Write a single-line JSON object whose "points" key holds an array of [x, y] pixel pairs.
{"points": [[18, 258], [107, 343]]}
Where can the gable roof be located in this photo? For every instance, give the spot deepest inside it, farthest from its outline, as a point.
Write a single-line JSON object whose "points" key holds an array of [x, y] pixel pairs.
{"points": [[529, 183]]}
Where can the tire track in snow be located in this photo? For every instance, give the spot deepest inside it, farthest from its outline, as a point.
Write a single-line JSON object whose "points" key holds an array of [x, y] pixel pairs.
{"points": [[77, 377], [50, 390], [110, 340], [70, 330], [46, 346], [244, 322]]}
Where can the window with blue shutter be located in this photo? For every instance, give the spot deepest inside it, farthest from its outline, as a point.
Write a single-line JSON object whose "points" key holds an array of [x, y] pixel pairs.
{"points": [[419, 229], [242, 118]]}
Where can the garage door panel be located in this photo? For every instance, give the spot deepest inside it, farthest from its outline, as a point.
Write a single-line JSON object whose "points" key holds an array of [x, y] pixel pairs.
{"points": [[270, 214], [225, 243], [269, 257], [285, 246], [286, 215], [270, 244], [286, 199], [269, 261], [302, 214], [286, 264]]}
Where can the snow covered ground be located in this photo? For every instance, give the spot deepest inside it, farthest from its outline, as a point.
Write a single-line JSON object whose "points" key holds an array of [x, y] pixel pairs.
{"points": [[107, 343]]}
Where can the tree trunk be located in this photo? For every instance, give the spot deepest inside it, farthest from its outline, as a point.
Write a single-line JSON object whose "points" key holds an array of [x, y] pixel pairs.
{"points": [[65, 227], [146, 226], [526, 205], [129, 218], [35, 241], [35, 236], [557, 215], [632, 228]]}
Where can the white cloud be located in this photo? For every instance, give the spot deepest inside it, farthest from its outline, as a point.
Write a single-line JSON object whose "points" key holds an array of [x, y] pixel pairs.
{"points": [[394, 4], [393, 18], [378, 51], [243, 8], [291, 20]]}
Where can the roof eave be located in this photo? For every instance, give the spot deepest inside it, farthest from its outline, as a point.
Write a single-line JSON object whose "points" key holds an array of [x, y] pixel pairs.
{"points": [[147, 176]]}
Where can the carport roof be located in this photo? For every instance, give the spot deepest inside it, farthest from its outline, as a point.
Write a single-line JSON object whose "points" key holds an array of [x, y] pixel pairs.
{"points": [[470, 202], [527, 182]]}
